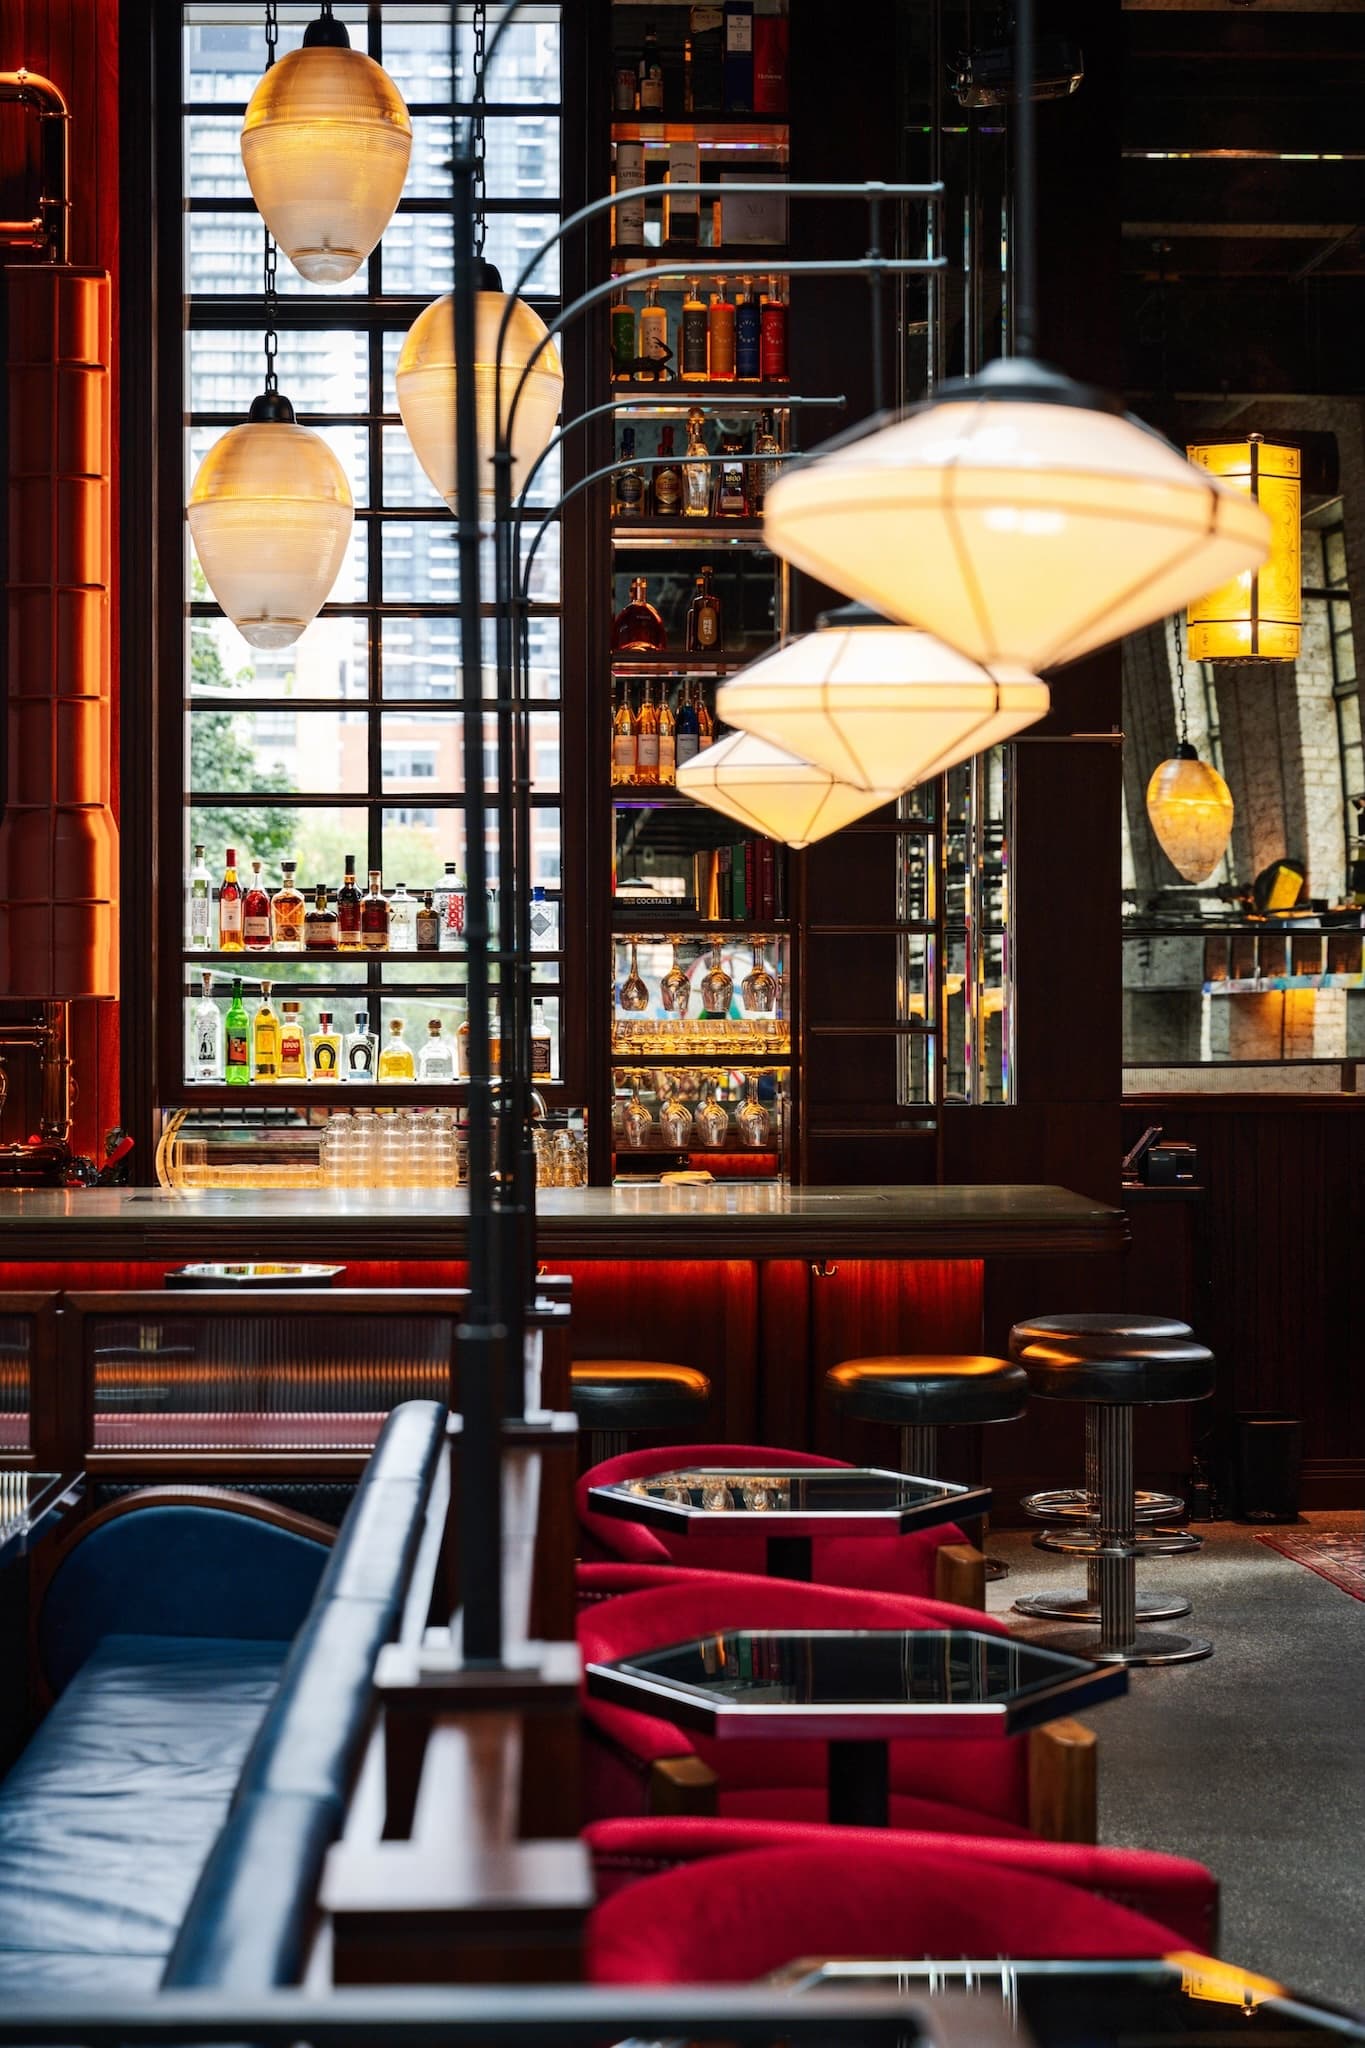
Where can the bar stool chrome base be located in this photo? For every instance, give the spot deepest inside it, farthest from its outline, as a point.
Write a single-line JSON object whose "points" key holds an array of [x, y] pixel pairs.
{"points": [[1151, 1647], [1081, 1606], [1146, 1542], [1074, 1504]]}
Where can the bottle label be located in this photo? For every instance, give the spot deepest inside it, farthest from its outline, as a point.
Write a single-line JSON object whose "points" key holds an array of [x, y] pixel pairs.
{"points": [[360, 1056], [540, 1057], [623, 336], [324, 1058], [291, 1054], [199, 915], [428, 931], [266, 1063], [230, 916], [667, 756], [694, 343], [667, 491], [455, 911], [654, 336], [647, 752], [707, 624], [773, 342], [256, 929], [237, 1053], [376, 941], [623, 753], [686, 747], [747, 340], [630, 492], [206, 1051]]}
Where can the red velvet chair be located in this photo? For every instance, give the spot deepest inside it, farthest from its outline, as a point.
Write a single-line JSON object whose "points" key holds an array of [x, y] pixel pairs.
{"points": [[934, 1563], [743, 1915], [634, 1763]]}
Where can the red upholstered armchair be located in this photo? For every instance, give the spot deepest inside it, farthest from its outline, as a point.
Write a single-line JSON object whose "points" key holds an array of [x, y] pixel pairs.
{"points": [[855, 1892], [1040, 1785], [930, 1563]]}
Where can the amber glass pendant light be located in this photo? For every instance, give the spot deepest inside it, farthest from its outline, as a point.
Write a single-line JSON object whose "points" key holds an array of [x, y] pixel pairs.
{"points": [[1188, 802], [325, 145], [1258, 616]]}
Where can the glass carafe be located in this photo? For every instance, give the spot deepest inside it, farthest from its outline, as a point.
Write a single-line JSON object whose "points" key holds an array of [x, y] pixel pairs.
{"points": [[752, 1120], [675, 990], [634, 994], [717, 987], [711, 1121]]}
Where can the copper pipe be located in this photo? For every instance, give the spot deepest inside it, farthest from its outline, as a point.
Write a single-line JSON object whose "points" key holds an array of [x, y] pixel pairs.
{"points": [[50, 227]]}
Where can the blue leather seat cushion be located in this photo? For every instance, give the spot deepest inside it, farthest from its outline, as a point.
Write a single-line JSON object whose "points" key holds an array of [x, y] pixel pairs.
{"points": [[108, 1817], [311, 1743]]}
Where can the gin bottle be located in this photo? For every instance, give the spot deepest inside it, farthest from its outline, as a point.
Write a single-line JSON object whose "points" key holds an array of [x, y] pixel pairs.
{"points": [[201, 902], [402, 921], [206, 1037]]}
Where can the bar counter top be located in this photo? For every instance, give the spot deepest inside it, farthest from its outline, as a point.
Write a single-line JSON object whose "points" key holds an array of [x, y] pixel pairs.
{"points": [[718, 1221]]}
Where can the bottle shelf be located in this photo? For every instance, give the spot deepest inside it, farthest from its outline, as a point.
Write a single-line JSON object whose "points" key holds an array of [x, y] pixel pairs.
{"points": [[708, 533], [679, 664], [693, 259], [323, 1094], [688, 925], [731, 395], [706, 125], [349, 956]]}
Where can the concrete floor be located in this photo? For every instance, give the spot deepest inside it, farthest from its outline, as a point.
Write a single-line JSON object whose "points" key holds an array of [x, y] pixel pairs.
{"points": [[1252, 1761]]}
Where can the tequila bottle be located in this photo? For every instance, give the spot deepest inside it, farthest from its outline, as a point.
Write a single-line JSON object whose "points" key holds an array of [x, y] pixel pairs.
{"points": [[206, 1037], [324, 1050], [634, 994], [236, 1028], [286, 912], [396, 1062], [752, 1121], [428, 926], [230, 907], [265, 1038], [374, 917], [256, 925], [711, 1122], [759, 989], [436, 1061], [717, 987], [292, 1063], [402, 921], [201, 902], [348, 910], [320, 924], [360, 1049], [675, 990]]}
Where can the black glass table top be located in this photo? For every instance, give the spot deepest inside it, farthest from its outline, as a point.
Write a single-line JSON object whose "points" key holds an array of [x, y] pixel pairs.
{"points": [[865, 1685], [828, 1500], [1076, 2004]]}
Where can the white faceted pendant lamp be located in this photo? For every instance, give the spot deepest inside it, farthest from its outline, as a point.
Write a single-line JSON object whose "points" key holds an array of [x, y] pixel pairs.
{"points": [[774, 792], [271, 512], [325, 145], [879, 706]]}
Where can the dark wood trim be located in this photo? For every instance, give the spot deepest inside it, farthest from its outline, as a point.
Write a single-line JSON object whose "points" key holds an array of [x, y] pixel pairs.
{"points": [[221, 1498]]}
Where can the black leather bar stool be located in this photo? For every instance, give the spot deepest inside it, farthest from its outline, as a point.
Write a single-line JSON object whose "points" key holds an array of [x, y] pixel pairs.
{"points": [[922, 1394], [615, 1398], [1112, 1382]]}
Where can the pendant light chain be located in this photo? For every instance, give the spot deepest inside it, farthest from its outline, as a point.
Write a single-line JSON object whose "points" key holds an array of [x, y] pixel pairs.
{"points": [[1025, 251], [272, 32], [1182, 712], [479, 95], [272, 339]]}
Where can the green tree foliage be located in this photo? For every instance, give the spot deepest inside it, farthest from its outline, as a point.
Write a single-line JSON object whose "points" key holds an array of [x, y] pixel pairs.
{"points": [[220, 759]]}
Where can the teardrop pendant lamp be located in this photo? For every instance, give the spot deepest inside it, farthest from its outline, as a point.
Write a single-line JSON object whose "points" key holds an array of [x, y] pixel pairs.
{"points": [[879, 706], [773, 792], [1188, 802], [325, 145]]}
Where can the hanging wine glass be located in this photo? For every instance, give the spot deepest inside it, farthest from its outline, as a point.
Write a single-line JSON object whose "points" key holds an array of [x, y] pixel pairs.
{"points": [[675, 1118], [634, 994], [636, 1121], [759, 988], [716, 1496], [717, 987], [753, 1121], [711, 1121], [675, 990]]}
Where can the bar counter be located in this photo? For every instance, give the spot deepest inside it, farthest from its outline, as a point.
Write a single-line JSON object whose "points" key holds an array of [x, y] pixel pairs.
{"points": [[709, 1222]]}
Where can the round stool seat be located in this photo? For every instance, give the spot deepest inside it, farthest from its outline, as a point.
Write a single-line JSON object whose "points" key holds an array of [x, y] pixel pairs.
{"points": [[1097, 1332], [1175, 1370], [929, 1391], [637, 1393]]}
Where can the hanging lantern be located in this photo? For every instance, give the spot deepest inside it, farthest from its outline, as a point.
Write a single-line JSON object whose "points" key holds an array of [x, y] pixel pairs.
{"points": [[1018, 516], [270, 512], [426, 386], [773, 792], [325, 144], [1256, 616], [880, 706], [1188, 802]]}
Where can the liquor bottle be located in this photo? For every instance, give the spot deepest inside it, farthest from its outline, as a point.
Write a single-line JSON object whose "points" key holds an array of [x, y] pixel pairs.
{"points": [[650, 92], [732, 487], [348, 910], [201, 902], [682, 212], [653, 332], [623, 742], [668, 480], [320, 924], [542, 1048], [628, 216], [647, 739], [286, 912], [324, 1050], [668, 750], [629, 494], [748, 327], [360, 1049], [770, 58], [694, 335], [696, 474], [402, 921], [428, 926], [256, 914], [705, 633], [452, 904], [720, 338], [374, 917], [265, 1038], [637, 627], [764, 474], [544, 922], [634, 994], [623, 348], [395, 1060], [206, 1056], [687, 739], [717, 987], [292, 1067], [737, 77], [237, 1031], [706, 48], [675, 990], [772, 351], [625, 87], [706, 725], [230, 907], [436, 1060]]}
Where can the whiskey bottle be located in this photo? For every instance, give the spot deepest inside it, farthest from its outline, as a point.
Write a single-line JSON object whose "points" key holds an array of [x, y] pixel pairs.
{"points": [[623, 347], [705, 634], [374, 917], [748, 328], [765, 474], [206, 1038], [348, 910], [697, 474], [324, 1050], [256, 914], [668, 480], [720, 338], [395, 1059], [201, 902], [428, 926], [650, 91], [668, 747], [292, 1066], [694, 334], [230, 907], [286, 912], [717, 987], [320, 924], [542, 1049], [236, 1030], [623, 742], [687, 739], [653, 334], [772, 352], [637, 627], [360, 1049], [402, 921], [630, 494], [265, 1038], [732, 489], [647, 739], [436, 1061]]}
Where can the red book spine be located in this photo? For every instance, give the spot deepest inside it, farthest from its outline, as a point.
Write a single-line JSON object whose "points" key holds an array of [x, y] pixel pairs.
{"points": [[766, 905], [751, 898]]}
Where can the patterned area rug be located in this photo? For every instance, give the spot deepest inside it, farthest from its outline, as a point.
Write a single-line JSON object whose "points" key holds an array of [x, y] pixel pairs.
{"points": [[1336, 1554]]}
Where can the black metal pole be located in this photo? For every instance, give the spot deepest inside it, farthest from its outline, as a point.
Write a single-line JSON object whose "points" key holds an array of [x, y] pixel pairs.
{"points": [[1025, 251]]}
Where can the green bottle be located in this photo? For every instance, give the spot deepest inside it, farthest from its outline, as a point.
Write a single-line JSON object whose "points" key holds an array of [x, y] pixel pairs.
{"points": [[237, 1029]]}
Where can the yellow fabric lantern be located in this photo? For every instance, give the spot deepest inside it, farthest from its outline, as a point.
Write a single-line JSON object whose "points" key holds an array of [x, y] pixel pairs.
{"points": [[1258, 615], [270, 512], [771, 791], [426, 387], [1191, 810], [325, 145]]}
